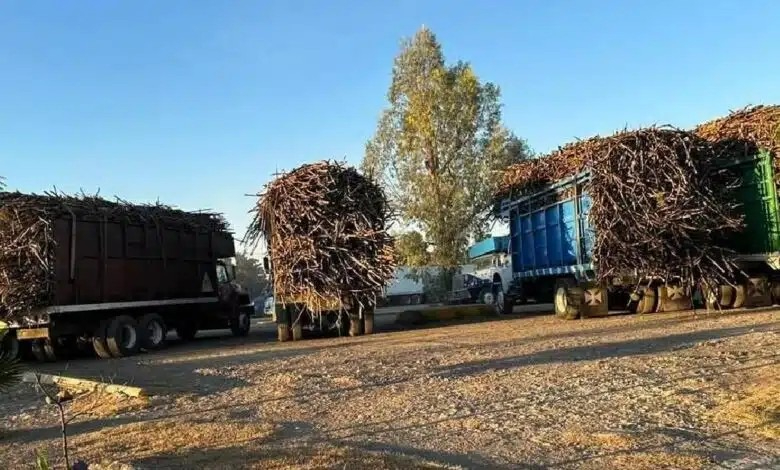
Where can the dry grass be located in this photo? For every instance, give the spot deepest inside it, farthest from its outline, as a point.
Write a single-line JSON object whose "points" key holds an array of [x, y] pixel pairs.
{"points": [[656, 460], [171, 436], [105, 405], [757, 408]]}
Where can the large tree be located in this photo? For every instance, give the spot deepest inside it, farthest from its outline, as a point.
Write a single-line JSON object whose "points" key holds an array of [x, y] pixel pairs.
{"points": [[438, 146]]}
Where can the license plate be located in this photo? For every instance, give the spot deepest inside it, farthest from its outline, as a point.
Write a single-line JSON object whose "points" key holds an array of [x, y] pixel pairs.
{"points": [[32, 333]]}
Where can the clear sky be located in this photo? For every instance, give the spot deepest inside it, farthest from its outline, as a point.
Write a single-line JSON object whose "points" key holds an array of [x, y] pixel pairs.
{"points": [[198, 103]]}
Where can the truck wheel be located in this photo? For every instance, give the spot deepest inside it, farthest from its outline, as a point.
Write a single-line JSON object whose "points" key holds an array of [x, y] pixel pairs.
{"points": [[122, 336], [567, 299], [41, 353], [740, 295], [486, 296], [355, 325], [504, 303], [99, 341], [54, 350], [240, 325], [297, 331], [368, 323], [153, 331], [186, 332], [9, 346]]}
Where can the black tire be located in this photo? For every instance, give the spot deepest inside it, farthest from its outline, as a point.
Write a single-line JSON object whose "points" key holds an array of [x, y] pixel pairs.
{"points": [[241, 324], [186, 332], [38, 351], [505, 305], [53, 350], [153, 331], [355, 325], [122, 336], [567, 299], [10, 347], [483, 294], [99, 341], [343, 328], [368, 323]]}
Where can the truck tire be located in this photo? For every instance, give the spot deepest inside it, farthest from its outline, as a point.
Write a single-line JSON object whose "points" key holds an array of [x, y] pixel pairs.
{"points": [[297, 331], [241, 324], [153, 331], [568, 298], [122, 336], [186, 332], [54, 350], [99, 341], [740, 295], [504, 304], [486, 296], [368, 323], [43, 350], [9, 346], [355, 325]]}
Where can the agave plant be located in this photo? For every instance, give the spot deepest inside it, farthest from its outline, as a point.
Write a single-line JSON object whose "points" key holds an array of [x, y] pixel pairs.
{"points": [[10, 372], [10, 368]]}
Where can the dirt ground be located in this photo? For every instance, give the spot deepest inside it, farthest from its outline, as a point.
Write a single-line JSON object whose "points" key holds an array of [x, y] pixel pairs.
{"points": [[639, 392]]}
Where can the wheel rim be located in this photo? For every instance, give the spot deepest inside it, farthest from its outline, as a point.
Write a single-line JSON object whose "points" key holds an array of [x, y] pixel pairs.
{"points": [[561, 302], [129, 336], [155, 332], [488, 298]]}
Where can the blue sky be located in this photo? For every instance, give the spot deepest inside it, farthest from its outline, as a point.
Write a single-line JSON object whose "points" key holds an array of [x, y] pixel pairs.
{"points": [[198, 103]]}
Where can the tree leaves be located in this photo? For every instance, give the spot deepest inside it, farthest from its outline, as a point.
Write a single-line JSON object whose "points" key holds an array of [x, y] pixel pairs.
{"points": [[439, 145]]}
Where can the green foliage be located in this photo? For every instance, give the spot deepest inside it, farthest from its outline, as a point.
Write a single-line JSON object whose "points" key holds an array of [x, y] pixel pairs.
{"points": [[249, 273], [411, 249], [439, 146]]}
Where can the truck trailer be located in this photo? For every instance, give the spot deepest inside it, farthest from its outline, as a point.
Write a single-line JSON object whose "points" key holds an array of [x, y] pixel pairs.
{"points": [[551, 243], [120, 278]]}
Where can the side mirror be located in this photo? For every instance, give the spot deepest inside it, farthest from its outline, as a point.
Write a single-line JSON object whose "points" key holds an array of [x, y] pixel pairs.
{"points": [[266, 264]]}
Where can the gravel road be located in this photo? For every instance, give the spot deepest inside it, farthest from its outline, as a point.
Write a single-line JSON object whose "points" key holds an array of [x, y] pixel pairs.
{"points": [[527, 391]]}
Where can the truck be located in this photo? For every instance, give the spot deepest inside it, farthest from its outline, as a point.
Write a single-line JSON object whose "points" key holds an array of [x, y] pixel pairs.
{"points": [[119, 285], [551, 245], [493, 270], [296, 317]]}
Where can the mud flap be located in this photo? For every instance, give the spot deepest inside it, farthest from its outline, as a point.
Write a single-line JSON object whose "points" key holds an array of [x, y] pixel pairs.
{"points": [[673, 298], [594, 301]]}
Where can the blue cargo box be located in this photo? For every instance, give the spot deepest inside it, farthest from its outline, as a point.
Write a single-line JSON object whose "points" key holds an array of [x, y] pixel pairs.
{"points": [[549, 230], [489, 246]]}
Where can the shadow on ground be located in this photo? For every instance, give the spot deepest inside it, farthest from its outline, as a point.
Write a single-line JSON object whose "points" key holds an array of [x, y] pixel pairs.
{"points": [[592, 352]]}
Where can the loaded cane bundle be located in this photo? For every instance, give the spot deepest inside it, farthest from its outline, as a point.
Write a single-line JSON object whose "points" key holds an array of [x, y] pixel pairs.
{"points": [[28, 241], [660, 206], [325, 228]]}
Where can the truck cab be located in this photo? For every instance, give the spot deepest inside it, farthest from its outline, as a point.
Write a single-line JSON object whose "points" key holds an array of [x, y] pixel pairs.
{"points": [[493, 266]]}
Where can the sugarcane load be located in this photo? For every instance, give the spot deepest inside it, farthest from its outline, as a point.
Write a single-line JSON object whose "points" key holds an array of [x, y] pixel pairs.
{"points": [[330, 256], [115, 277], [647, 219]]}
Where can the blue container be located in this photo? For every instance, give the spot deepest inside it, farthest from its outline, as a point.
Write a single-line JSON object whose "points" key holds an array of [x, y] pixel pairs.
{"points": [[549, 230]]}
